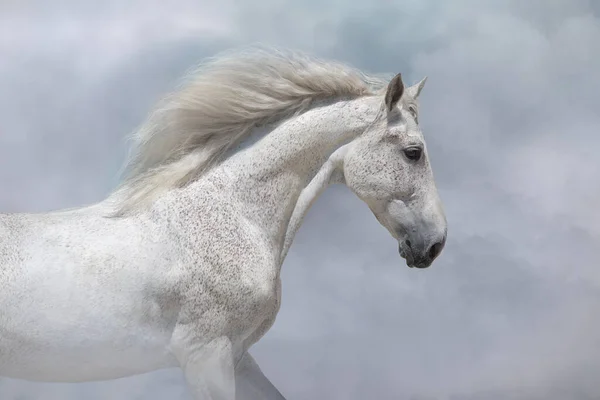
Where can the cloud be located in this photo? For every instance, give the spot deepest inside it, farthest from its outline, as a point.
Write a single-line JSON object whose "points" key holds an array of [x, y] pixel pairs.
{"points": [[510, 118]]}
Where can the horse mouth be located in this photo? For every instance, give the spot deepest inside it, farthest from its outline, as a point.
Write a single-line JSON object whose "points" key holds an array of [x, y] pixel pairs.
{"points": [[406, 253], [408, 258]]}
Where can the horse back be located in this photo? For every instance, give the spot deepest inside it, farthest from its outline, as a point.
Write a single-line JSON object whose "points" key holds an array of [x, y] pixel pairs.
{"points": [[11, 228]]}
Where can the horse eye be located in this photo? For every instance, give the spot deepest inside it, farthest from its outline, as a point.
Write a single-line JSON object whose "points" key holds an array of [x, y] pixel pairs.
{"points": [[413, 111], [413, 153]]}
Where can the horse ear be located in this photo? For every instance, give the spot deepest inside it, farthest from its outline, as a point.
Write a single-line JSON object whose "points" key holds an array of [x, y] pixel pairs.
{"points": [[394, 92], [415, 89]]}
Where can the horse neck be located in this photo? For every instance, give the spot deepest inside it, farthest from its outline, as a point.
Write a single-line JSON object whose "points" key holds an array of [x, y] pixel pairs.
{"points": [[268, 174]]}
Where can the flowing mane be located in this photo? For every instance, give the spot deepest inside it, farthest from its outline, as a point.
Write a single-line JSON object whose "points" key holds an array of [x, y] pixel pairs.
{"points": [[218, 105]]}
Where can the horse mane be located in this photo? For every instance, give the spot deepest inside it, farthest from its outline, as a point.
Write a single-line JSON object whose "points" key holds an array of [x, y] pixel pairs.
{"points": [[217, 105]]}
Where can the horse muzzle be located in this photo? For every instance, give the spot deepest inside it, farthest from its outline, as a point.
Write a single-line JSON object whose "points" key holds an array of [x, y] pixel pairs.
{"points": [[421, 255]]}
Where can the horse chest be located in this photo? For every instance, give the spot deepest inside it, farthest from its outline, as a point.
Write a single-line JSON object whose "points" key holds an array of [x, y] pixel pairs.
{"points": [[267, 319], [248, 296], [233, 298]]}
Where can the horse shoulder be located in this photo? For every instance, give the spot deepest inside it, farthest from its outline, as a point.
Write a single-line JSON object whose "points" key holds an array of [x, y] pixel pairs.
{"points": [[230, 267]]}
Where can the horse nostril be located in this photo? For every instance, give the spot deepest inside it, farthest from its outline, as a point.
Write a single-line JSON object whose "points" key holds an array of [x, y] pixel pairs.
{"points": [[408, 244], [435, 250]]}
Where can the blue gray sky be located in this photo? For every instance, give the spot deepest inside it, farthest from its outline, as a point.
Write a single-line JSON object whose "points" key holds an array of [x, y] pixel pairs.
{"points": [[510, 116]]}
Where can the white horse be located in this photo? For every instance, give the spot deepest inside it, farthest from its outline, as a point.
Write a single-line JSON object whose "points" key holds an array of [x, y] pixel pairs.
{"points": [[180, 266]]}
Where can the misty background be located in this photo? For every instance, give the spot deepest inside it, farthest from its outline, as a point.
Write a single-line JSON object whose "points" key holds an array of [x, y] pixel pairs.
{"points": [[511, 118]]}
